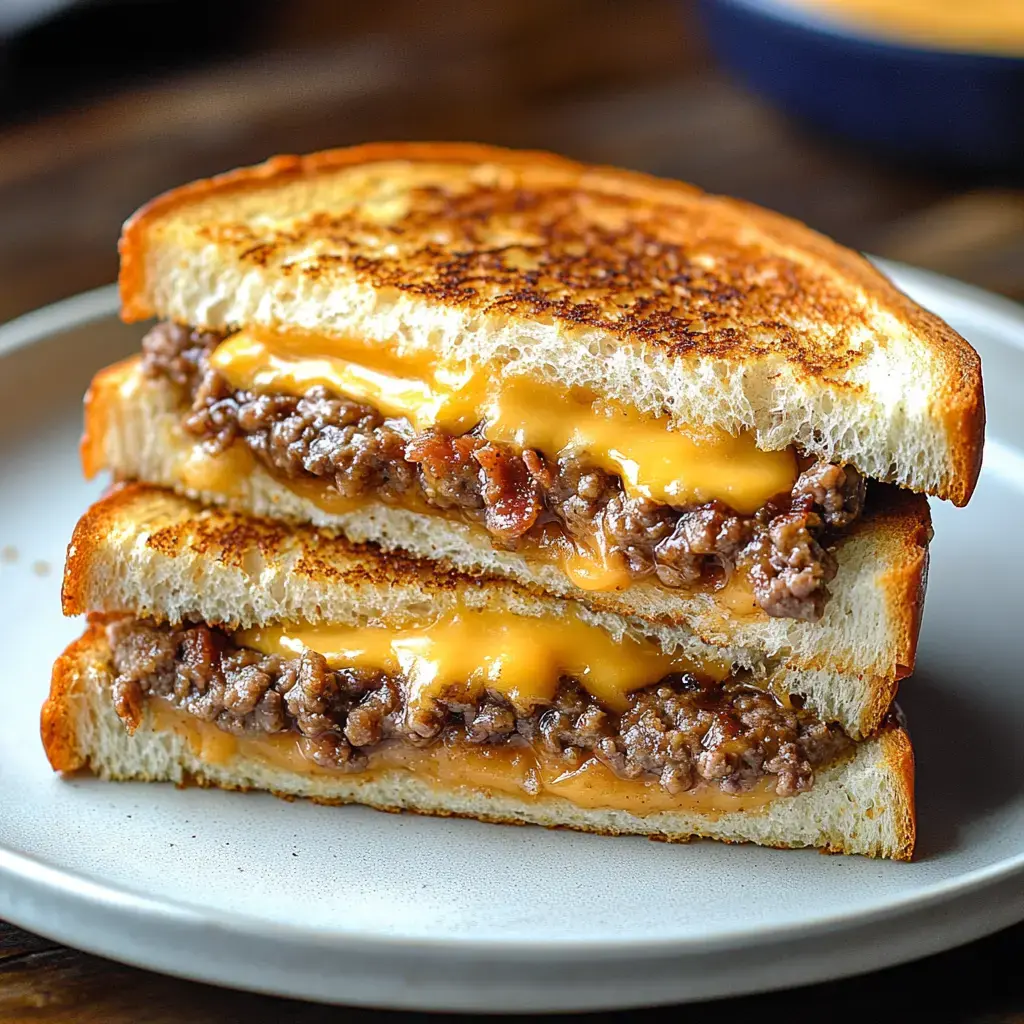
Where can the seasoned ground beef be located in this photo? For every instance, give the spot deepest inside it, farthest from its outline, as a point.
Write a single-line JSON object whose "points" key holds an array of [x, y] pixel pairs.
{"points": [[515, 493], [678, 731]]}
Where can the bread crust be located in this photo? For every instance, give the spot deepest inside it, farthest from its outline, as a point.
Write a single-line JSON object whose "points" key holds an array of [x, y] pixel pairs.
{"points": [[182, 526], [58, 726], [79, 709], [804, 266], [899, 757], [907, 520]]}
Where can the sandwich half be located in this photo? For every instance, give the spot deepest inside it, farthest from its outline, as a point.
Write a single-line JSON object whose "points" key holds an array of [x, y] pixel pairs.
{"points": [[243, 654]]}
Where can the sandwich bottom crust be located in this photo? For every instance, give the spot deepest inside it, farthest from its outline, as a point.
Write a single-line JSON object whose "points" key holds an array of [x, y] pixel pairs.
{"points": [[350, 449], [679, 734]]}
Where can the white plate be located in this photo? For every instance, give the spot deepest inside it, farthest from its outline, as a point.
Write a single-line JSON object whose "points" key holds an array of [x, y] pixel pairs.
{"points": [[351, 905]]}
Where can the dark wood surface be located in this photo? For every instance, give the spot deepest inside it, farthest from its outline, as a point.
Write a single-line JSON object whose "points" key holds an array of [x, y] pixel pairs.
{"points": [[49, 984], [629, 84]]}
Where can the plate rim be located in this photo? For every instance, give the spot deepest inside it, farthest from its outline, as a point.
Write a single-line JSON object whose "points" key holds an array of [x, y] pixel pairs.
{"points": [[68, 884], [41, 878]]}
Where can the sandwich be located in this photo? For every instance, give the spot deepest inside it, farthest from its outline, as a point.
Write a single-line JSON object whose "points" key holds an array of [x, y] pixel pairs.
{"points": [[241, 653], [598, 384], [468, 481]]}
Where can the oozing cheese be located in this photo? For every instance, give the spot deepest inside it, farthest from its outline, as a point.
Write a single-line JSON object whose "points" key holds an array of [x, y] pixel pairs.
{"points": [[465, 652], [654, 458], [593, 569]]}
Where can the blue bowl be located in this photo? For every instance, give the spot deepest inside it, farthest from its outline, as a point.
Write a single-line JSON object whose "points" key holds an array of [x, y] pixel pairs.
{"points": [[961, 110]]}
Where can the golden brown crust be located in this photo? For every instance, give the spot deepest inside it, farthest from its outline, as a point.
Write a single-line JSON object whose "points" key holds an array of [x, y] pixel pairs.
{"points": [[909, 524], [232, 537], [96, 409], [56, 720], [131, 245], [906, 579], [643, 259], [86, 538], [899, 756]]}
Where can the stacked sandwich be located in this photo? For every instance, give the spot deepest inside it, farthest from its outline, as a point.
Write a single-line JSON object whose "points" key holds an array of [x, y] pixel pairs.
{"points": [[474, 482]]}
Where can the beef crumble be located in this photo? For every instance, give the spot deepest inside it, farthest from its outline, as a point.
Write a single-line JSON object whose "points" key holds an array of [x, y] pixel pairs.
{"points": [[678, 731], [784, 546]]}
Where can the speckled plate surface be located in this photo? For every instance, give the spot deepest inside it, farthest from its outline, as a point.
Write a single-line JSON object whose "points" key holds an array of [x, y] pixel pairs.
{"points": [[350, 905]]}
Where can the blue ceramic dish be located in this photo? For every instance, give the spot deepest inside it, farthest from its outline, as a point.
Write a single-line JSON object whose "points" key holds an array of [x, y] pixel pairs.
{"points": [[962, 110]]}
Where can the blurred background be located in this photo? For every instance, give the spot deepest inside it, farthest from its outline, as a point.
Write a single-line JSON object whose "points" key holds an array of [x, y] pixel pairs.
{"points": [[897, 126]]}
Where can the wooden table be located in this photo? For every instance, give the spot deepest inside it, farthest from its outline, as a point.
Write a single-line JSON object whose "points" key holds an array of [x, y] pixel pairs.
{"points": [[49, 984], [559, 74]]}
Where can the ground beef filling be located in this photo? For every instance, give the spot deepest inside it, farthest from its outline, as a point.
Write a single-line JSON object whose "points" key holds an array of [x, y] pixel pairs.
{"points": [[784, 546], [678, 731]]}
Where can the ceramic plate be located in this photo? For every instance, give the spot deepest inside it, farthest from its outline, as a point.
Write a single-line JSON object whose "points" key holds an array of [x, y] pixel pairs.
{"points": [[350, 905]]}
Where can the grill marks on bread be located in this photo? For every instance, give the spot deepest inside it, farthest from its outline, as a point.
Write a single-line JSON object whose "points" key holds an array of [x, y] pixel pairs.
{"points": [[578, 255]]}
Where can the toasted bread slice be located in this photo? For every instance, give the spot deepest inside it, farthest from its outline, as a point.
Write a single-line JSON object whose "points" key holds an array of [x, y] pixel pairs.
{"points": [[864, 805], [650, 293], [153, 554]]}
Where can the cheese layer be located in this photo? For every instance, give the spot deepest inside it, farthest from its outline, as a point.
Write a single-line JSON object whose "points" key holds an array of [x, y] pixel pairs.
{"points": [[519, 771], [463, 653], [655, 458]]}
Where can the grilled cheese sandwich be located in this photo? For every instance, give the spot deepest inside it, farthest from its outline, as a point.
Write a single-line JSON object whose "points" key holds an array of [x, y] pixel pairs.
{"points": [[468, 481], [444, 692]]}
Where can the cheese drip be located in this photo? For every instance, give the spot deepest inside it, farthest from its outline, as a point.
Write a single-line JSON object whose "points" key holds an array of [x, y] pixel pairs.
{"points": [[654, 458], [465, 652]]}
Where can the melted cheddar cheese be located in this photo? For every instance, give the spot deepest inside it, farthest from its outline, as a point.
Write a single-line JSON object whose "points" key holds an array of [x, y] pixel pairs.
{"points": [[464, 652], [655, 458]]}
